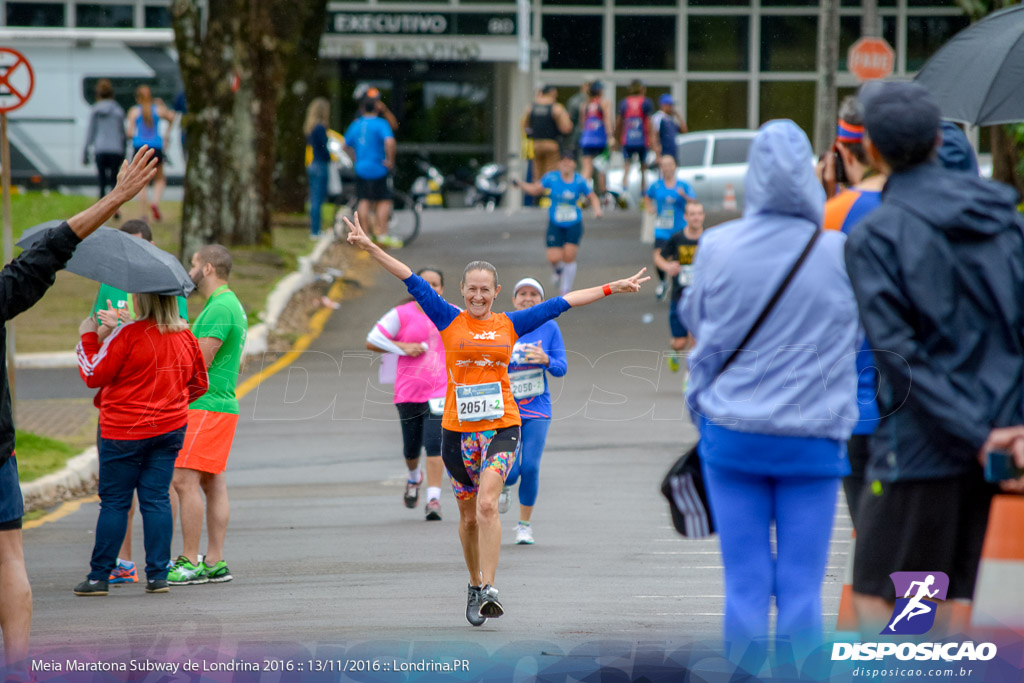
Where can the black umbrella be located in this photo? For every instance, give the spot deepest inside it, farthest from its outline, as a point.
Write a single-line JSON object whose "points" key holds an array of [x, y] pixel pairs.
{"points": [[121, 260], [978, 76]]}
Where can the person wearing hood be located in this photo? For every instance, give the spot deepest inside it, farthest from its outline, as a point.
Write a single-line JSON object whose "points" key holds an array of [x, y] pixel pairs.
{"points": [[105, 138], [937, 272], [773, 428]]}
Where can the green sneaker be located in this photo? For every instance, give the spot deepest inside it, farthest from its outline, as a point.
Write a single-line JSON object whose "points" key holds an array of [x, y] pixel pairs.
{"points": [[389, 242], [673, 363], [185, 573], [218, 573]]}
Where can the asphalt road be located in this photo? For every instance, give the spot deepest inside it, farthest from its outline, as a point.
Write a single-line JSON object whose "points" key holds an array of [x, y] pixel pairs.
{"points": [[329, 563]]}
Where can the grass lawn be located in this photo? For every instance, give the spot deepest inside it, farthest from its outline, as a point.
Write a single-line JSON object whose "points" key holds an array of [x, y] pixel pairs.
{"points": [[52, 324], [38, 455]]}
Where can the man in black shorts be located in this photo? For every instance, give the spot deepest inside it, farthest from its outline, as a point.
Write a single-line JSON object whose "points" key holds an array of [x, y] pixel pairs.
{"points": [[371, 143], [936, 270]]}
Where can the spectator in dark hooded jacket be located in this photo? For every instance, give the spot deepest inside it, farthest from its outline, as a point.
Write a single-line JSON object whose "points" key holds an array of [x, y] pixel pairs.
{"points": [[937, 270], [955, 152]]}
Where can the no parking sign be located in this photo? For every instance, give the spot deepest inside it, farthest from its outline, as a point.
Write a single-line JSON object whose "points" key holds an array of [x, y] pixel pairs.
{"points": [[16, 85], [16, 79]]}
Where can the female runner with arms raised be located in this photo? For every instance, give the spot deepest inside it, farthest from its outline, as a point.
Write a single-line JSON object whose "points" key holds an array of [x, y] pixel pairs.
{"points": [[480, 427]]}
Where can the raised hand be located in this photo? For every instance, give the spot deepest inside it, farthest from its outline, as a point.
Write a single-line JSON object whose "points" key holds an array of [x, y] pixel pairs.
{"points": [[136, 175], [630, 284], [356, 235]]}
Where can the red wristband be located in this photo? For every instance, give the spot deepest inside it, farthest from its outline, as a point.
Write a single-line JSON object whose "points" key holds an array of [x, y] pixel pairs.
{"points": [[607, 289]]}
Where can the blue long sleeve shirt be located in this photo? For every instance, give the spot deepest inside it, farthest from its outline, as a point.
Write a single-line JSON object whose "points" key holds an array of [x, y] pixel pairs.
{"points": [[550, 338]]}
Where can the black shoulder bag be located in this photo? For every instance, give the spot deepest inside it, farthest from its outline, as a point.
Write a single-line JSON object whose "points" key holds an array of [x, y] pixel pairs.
{"points": [[683, 485]]}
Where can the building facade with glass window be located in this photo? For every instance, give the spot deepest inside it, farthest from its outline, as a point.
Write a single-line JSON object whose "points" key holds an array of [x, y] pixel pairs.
{"points": [[449, 68]]}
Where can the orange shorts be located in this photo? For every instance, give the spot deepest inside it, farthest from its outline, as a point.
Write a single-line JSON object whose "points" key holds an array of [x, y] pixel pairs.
{"points": [[207, 441]]}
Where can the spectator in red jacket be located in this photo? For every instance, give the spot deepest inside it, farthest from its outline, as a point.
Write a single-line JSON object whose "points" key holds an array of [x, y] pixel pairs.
{"points": [[147, 372]]}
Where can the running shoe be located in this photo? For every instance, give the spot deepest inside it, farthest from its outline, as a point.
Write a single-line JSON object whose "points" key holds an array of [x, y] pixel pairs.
{"points": [[156, 212], [124, 572], [389, 242], [473, 607], [673, 363], [524, 535], [218, 573], [504, 500], [412, 492], [433, 510], [185, 573], [660, 290], [490, 607], [89, 588], [157, 586]]}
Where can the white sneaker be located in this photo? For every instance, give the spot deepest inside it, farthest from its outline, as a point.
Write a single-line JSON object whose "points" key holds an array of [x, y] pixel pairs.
{"points": [[524, 535], [660, 291], [504, 500]]}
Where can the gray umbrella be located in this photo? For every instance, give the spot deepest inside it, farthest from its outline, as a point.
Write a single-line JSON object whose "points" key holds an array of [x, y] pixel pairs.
{"points": [[121, 260], [978, 76]]}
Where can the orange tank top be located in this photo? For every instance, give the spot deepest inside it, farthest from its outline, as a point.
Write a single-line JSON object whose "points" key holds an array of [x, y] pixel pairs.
{"points": [[477, 354]]}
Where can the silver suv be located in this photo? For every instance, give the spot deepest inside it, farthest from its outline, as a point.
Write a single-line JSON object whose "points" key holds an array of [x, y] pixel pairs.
{"points": [[711, 161]]}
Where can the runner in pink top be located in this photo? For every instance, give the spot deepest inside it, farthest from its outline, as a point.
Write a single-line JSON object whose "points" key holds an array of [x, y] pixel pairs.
{"points": [[420, 384]]}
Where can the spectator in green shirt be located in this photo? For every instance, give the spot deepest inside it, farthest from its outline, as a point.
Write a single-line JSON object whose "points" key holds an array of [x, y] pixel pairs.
{"points": [[220, 329]]}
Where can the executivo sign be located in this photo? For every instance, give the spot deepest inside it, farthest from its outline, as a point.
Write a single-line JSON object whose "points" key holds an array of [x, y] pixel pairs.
{"points": [[421, 24]]}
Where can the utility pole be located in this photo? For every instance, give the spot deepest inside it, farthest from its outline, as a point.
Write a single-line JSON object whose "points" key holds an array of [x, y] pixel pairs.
{"points": [[828, 64]]}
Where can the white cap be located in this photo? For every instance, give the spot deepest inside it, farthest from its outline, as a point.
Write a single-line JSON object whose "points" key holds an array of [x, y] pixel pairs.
{"points": [[528, 282]]}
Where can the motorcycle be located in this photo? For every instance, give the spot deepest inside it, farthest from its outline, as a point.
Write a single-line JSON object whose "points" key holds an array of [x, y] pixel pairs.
{"points": [[488, 188], [426, 189]]}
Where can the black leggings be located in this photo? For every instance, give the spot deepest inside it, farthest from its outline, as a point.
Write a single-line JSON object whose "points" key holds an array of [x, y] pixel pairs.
{"points": [[420, 429], [108, 165], [859, 453]]}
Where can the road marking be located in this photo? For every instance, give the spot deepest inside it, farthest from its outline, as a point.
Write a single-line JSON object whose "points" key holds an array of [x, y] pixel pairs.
{"points": [[685, 552], [63, 511], [316, 326], [675, 597]]}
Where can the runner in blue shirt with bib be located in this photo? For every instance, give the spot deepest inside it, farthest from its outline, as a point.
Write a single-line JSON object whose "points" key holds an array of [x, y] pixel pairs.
{"points": [[566, 188], [666, 199]]}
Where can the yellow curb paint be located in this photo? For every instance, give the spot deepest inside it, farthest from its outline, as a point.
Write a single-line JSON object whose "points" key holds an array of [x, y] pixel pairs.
{"points": [[63, 511], [316, 326]]}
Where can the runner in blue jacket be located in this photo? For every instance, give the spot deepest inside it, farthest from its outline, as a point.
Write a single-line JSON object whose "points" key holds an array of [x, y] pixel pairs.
{"points": [[534, 355]]}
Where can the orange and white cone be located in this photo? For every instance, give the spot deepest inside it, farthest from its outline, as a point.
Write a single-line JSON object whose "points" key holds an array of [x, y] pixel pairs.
{"points": [[846, 621], [998, 596], [729, 200]]}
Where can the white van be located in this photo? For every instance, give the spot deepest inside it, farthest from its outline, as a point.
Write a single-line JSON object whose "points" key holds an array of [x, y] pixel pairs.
{"points": [[47, 134]]}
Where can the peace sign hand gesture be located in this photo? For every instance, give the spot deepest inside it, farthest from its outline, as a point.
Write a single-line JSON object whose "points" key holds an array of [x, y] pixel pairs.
{"points": [[630, 284], [356, 235]]}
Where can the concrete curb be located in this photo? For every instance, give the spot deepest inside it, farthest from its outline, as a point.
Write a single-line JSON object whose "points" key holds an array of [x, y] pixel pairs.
{"points": [[79, 477], [256, 340]]}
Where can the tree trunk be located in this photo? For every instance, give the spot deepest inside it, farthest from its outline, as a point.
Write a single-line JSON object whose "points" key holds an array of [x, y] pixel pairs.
{"points": [[227, 76], [828, 64], [1006, 157], [303, 25]]}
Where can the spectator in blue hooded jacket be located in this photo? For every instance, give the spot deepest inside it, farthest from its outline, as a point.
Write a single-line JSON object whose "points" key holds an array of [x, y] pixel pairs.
{"points": [[937, 270], [773, 427]]}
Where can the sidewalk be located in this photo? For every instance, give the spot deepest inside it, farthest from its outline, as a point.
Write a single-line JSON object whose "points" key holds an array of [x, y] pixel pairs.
{"points": [[72, 420]]}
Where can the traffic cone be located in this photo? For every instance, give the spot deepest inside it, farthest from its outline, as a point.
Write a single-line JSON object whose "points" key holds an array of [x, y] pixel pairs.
{"points": [[998, 598], [847, 618], [729, 201]]}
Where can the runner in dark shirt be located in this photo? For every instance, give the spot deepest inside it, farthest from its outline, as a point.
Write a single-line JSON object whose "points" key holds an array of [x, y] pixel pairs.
{"points": [[676, 259]]}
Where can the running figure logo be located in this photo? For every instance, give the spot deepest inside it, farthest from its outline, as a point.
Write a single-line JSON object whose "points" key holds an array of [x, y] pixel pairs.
{"points": [[920, 591]]}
